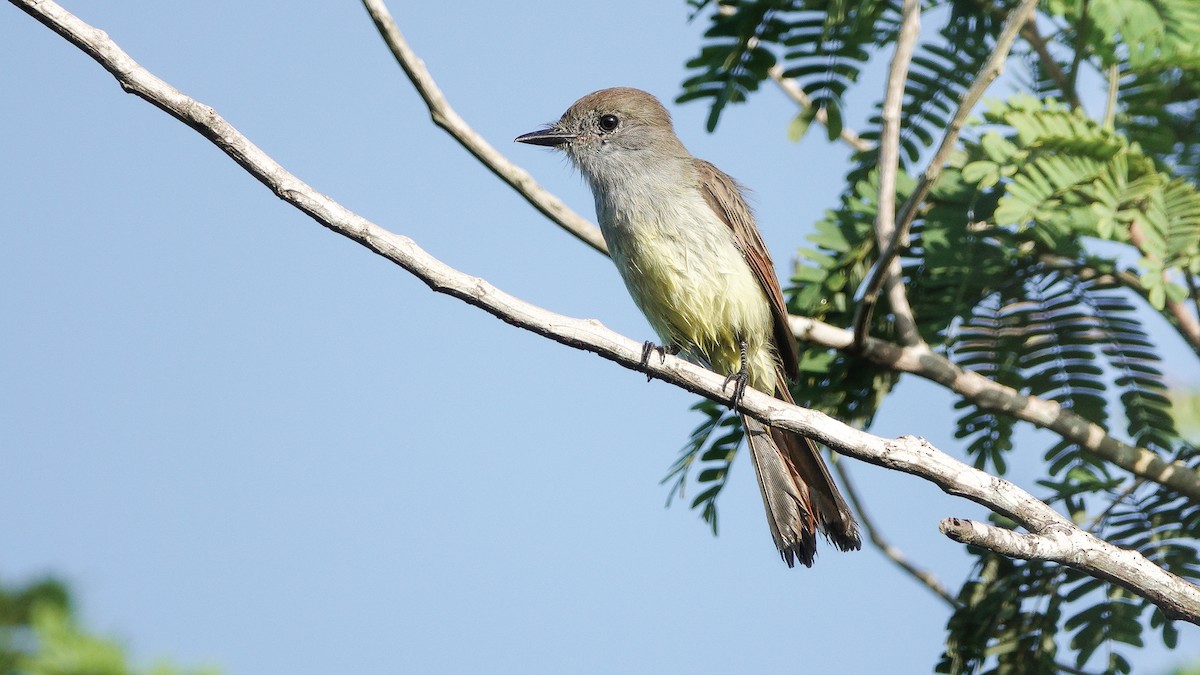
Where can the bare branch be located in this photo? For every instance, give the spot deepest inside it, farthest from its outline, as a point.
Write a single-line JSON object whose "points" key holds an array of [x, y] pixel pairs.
{"points": [[1070, 546], [889, 165], [444, 116], [987, 74], [1176, 597], [875, 535], [990, 395], [794, 92]]}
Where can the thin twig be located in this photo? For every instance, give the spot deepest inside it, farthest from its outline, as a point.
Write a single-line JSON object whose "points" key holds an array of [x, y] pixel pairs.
{"points": [[1099, 517], [889, 166], [1033, 36], [987, 74], [794, 92], [1052, 536], [445, 117], [1110, 104], [922, 575]]}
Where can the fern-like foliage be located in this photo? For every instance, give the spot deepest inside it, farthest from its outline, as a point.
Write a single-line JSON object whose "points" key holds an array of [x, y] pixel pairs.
{"points": [[1049, 237], [1022, 613], [825, 44], [996, 615], [736, 60], [987, 334], [1160, 113], [1152, 45], [1072, 334], [1133, 357], [1063, 176], [709, 451], [938, 76]]}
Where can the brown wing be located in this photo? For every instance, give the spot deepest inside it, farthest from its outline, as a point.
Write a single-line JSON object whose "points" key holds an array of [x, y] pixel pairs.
{"points": [[798, 492], [722, 194]]}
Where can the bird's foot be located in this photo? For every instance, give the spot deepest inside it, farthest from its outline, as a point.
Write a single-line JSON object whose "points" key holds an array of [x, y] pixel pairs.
{"points": [[649, 347], [739, 379]]}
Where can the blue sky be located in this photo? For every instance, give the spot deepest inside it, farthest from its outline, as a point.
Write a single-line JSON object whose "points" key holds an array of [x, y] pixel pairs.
{"points": [[248, 442]]}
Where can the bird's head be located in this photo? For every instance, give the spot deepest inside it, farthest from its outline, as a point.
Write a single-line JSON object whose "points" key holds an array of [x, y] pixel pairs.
{"points": [[619, 130]]}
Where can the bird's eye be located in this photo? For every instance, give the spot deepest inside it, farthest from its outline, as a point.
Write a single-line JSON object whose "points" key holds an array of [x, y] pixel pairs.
{"points": [[608, 122]]}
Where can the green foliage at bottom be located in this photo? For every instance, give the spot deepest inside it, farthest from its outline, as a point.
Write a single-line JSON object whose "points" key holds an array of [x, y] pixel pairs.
{"points": [[40, 636]]}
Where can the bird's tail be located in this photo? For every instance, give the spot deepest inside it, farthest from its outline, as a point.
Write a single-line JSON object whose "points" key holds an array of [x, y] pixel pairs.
{"points": [[798, 493]]}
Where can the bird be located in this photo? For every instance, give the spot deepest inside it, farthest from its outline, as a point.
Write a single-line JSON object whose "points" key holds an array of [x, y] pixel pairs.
{"points": [[684, 241]]}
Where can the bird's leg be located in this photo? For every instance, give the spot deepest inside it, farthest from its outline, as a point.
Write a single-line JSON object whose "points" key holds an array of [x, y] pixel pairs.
{"points": [[739, 378], [663, 350]]}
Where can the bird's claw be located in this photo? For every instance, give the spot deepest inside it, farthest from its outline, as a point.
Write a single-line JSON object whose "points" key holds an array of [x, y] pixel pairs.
{"points": [[648, 347], [739, 380]]}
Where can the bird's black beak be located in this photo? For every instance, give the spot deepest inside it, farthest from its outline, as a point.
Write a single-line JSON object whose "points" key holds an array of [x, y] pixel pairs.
{"points": [[549, 137]]}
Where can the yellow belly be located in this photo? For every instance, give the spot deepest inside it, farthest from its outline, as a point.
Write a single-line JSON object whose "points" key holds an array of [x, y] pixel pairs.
{"points": [[698, 293]]}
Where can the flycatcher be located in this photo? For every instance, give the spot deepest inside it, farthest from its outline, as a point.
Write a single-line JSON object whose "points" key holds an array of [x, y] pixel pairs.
{"points": [[685, 243]]}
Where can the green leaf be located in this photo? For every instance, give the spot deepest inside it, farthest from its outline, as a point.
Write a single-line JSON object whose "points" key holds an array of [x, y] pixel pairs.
{"points": [[985, 174], [800, 123], [1157, 296]]}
